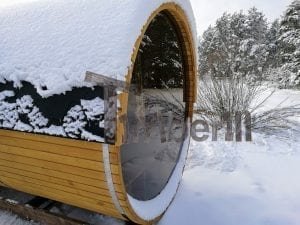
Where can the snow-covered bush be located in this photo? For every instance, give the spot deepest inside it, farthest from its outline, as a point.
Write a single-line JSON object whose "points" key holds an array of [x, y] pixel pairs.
{"points": [[289, 45]]}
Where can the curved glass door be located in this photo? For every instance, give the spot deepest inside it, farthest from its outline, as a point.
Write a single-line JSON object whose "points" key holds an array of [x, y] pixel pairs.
{"points": [[156, 112]]}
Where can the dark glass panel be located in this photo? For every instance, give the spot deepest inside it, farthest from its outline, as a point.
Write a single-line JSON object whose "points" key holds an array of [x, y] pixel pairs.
{"points": [[156, 112]]}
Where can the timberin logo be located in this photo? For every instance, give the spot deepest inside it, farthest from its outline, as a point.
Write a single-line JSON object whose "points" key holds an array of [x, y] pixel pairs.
{"points": [[141, 125], [200, 129], [233, 128]]}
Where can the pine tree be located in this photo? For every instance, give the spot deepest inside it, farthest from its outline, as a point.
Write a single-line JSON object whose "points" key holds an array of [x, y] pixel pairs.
{"points": [[289, 44], [256, 25], [226, 42], [273, 72], [253, 48], [207, 51], [160, 56], [272, 37], [235, 46], [219, 46], [238, 30]]}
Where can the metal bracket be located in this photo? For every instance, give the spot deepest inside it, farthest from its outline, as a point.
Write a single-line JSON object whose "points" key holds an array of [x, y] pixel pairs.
{"points": [[110, 86]]}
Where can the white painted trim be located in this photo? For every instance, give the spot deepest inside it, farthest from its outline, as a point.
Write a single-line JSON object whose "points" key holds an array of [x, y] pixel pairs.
{"points": [[109, 179], [149, 210]]}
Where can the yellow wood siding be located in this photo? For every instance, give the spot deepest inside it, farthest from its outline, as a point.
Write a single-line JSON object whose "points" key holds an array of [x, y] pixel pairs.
{"points": [[65, 170]]}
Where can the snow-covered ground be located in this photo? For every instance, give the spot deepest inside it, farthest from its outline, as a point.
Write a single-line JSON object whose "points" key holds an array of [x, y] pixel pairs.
{"points": [[255, 183], [9, 219], [233, 184]]}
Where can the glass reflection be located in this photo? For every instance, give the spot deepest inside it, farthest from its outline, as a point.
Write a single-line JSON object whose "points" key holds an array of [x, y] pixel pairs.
{"points": [[156, 112]]}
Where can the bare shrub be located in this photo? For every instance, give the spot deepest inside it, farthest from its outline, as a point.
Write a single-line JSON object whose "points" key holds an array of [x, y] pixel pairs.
{"points": [[278, 121], [220, 96]]}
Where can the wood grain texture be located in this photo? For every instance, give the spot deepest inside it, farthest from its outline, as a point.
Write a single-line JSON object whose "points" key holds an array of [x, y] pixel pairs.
{"points": [[63, 150], [64, 170]]}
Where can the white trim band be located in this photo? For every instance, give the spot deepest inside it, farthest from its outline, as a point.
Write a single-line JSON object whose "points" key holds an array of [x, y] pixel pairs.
{"points": [[109, 179]]}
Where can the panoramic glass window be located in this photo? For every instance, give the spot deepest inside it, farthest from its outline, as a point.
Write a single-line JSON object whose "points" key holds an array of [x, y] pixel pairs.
{"points": [[156, 112]]}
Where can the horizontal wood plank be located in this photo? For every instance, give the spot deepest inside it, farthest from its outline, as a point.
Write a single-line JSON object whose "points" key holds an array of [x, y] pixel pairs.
{"points": [[51, 139], [58, 174], [71, 161], [55, 186], [84, 174], [61, 196], [100, 190], [50, 157], [83, 153]]}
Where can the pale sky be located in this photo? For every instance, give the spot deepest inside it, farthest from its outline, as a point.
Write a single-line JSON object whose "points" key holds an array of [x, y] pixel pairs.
{"points": [[208, 11]]}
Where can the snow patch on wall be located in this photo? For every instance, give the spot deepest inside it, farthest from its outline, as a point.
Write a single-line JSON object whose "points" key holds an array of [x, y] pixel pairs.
{"points": [[23, 115]]}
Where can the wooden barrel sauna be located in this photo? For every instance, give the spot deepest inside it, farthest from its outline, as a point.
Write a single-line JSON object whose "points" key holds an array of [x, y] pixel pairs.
{"points": [[96, 100]]}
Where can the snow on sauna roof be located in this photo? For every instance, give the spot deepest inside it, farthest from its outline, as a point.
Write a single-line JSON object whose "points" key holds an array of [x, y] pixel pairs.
{"points": [[52, 43]]}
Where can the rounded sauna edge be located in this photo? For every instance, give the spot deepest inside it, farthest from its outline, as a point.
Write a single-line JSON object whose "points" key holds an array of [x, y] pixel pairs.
{"points": [[159, 108]]}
